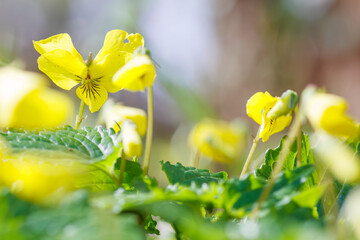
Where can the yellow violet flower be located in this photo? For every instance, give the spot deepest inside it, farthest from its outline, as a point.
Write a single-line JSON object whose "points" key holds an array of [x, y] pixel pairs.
{"points": [[66, 68], [27, 102], [131, 140], [328, 112], [115, 114], [219, 140], [137, 74], [258, 107]]}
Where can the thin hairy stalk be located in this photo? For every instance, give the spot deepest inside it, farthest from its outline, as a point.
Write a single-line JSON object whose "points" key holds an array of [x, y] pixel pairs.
{"points": [[79, 116], [251, 153], [280, 163], [149, 131]]}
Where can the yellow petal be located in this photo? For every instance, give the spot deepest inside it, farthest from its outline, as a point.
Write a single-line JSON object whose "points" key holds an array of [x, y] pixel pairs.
{"points": [[42, 109], [131, 140], [328, 112], [272, 126], [60, 41], [107, 67], [93, 95], [218, 140], [136, 75], [119, 41], [15, 84], [62, 68], [256, 104], [115, 114]]}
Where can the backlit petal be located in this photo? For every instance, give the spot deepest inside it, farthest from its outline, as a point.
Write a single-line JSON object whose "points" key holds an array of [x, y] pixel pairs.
{"points": [[62, 67], [42, 109], [107, 67], [94, 97], [328, 112], [256, 104], [59, 41], [119, 41], [136, 75]]}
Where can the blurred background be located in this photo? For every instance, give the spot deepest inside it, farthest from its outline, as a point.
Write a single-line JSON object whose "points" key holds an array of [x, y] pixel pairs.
{"points": [[213, 55]]}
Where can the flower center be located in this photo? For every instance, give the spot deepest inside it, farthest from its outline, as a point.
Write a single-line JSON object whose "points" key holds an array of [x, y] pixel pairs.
{"points": [[90, 87]]}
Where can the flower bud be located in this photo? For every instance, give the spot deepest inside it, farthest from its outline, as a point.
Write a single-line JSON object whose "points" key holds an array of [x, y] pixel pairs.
{"points": [[131, 140], [286, 104]]}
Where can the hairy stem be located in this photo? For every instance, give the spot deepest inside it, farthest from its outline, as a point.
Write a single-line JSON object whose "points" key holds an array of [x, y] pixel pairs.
{"points": [[149, 131], [79, 116], [251, 153]]}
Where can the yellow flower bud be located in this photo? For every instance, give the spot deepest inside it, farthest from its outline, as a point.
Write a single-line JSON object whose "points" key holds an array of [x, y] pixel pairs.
{"points": [[131, 140], [327, 112], [219, 140], [286, 104], [113, 115], [27, 102], [136, 75]]}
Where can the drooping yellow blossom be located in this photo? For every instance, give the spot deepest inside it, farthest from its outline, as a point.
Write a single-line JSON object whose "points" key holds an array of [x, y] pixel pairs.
{"points": [[41, 176], [27, 102], [115, 114], [327, 112], [131, 140], [64, 65], [258, 107], [137, 74], [219, 140]]}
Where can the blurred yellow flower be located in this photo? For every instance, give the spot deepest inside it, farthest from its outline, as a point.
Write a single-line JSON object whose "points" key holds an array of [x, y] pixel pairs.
{"points": [[137, 74], [66, 68], [113, 115], [131, 140], [27, 102], [219, 140], [327, 112], [43, 176], [258, 107]]}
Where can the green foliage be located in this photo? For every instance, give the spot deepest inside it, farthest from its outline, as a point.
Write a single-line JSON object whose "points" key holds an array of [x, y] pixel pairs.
{"points": [[272, 155], [186, 175], [92, 143]]}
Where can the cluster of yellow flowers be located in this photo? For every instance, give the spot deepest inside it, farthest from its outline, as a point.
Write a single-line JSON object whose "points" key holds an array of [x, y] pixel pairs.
{"points": [[123, 63]]}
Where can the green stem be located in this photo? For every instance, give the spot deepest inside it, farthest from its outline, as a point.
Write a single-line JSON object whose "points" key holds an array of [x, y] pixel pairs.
{"points": [[251, 153], [149, 132], [196, 159], [79, 117], [122, 168], [279, 164]]}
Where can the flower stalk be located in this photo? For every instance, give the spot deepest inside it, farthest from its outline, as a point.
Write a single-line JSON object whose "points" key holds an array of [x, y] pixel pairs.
{"points": [[149, 131], [251, 153], [293, 133], [79, 116]]}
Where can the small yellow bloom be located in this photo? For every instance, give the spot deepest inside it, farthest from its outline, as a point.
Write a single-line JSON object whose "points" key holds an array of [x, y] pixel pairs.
{"points": [[258, 107], [131, 140], [64, 65], [219, 140], [115, 114], [328, 112], [27, 102], [137, 74]]}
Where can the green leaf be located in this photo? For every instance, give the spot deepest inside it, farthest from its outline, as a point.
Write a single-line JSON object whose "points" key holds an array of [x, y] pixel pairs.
{"points": [[150, 225], [272, 155], [242, 195], [186, 175], [92, 143], [310, 197]]}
